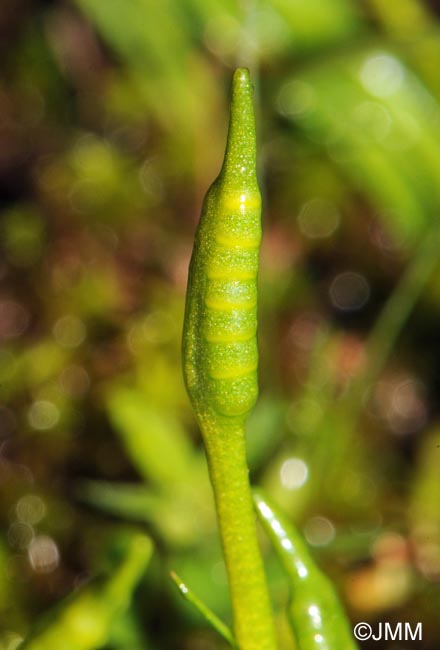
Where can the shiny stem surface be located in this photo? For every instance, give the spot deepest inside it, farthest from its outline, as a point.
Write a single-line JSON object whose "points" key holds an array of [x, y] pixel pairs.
{"points": [[316, 614]]}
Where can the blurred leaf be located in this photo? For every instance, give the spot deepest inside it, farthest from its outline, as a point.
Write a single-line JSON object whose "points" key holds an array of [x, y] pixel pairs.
{"points": [[154, 440], [84, 619], [171, 517], [158, 52], [384, 115], [319, 22]]}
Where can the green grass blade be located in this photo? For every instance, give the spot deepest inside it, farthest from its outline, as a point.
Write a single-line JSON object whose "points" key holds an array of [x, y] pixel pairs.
{"points": [[204, 610]]}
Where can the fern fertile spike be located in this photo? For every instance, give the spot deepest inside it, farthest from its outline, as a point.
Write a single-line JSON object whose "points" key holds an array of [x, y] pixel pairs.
{"points": [[220, 360], [220, 346]]}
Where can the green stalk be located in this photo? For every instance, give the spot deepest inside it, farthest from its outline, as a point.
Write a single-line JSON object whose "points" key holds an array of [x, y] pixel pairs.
{"points": [[226, 452]]}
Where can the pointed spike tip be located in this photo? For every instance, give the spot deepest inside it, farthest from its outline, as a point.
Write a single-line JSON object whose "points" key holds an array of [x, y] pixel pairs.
{"points": [[239, 168], [241, 77], [242, 106]]}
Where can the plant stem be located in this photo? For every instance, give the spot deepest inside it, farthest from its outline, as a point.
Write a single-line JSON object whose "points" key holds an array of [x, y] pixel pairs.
{"points": [[226, 452]]}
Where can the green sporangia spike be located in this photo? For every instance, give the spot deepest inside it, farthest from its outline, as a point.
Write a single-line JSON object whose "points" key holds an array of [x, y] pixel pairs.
{"points": [[316, 614], [220, 359], [220, 346]]}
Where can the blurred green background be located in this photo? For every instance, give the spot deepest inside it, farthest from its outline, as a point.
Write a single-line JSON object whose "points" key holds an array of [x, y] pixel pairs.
{"points": [[113, 116]]}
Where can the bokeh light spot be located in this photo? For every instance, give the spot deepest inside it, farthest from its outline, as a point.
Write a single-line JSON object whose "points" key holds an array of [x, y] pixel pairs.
{"points": [[382, 75], [319, 531], [318, 218], [408, 410], [43, 415], [373, 119], [74, 381], [296, 98], [20, 535], [30, 509], [43, 554], [293, 473], [69, 331], [349, 291], [14, 319]]}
